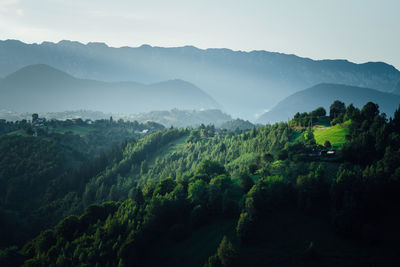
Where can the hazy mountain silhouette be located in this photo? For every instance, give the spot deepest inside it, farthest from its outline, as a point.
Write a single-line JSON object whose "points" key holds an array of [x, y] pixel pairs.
{"points": [[323, 95], [42, 88], [183, 118], [396, 90], [245, 83]]}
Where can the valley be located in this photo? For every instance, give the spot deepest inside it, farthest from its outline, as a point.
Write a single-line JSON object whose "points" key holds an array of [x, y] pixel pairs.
{"points": [[199, 133]]}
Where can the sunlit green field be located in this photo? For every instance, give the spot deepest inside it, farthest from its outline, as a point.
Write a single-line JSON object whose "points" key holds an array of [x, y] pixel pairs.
{"points": [[335, 134]]}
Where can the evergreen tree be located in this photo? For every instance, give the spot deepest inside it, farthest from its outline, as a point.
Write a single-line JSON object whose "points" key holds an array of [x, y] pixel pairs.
{"points": [[226, 252], [337, 109]]}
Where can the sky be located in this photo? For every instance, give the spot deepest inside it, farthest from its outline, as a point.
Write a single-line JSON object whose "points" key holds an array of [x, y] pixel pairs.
{"points": [[357, 30]]}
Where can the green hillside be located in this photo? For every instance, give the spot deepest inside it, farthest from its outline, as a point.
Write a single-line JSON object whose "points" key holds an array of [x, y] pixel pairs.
{"points": [[335, 134], [204, 197], [322, 95], [42, 168], [81, 130]]}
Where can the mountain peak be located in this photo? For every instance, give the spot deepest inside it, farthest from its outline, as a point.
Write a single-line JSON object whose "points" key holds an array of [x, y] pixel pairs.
{"points": [[97, 45], [231, 77], [39, 72], [144, 46], [178, 81], [43, 88], [68, 43]]}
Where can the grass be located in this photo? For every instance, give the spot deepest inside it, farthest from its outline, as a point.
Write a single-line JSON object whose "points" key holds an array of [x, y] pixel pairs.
{"points": [[347, 123], [335, 134], [323, 131], [276, 163], [19, 133]]}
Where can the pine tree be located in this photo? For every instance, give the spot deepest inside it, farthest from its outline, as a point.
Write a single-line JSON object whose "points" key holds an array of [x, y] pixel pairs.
{"points": [[226, 252]]}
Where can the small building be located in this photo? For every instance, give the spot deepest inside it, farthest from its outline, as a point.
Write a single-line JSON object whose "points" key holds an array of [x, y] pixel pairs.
{"points": [[331, 152]]}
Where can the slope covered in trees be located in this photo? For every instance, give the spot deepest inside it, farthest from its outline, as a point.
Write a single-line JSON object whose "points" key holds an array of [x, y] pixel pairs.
{"points": [[322, 95], [175, 117], [205, 197], [37, 172]]}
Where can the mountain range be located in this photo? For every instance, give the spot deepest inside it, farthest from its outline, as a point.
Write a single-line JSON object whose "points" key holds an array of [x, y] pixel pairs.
{"points": [[244, 83], [41, 88], [323, 95]]}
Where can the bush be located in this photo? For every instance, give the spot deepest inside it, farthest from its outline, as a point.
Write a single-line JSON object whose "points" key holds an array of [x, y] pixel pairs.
{"points": [[226, 253], [245, 182], [68, 227], [244, 227]]}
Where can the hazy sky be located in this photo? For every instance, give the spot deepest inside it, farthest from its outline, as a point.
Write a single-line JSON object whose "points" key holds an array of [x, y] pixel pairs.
{"points": [[358, 30]]}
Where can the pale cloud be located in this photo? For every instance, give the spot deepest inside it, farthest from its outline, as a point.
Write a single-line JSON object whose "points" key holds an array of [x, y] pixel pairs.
{"points": [[105, 14], [34, 33], [5, 3], [246, 25], [8, 2], [19, 12]]}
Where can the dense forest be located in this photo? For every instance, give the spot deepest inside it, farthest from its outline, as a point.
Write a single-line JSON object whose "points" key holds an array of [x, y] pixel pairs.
{"points": [[202, 197], [40, 160], [175, 117]]}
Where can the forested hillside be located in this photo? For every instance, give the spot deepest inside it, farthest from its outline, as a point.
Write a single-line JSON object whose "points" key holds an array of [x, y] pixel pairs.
{"points": [[175, 117], [205, 197], [322, 95], [40, 162]]}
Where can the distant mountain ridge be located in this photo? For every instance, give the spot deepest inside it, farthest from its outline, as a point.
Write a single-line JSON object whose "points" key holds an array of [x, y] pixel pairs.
{"points": [[182, 118], [323, 95], [397, 89], [42, 88], [245, 83], [176, 118]]}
